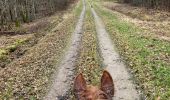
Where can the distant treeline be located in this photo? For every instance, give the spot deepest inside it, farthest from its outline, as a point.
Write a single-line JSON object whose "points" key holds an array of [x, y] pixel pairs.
{"points": [[28, 10], [156, 4]]}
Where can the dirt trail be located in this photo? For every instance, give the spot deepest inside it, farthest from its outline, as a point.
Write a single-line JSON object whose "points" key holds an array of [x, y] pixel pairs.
{"points": [[124, 87], [65, 73]]}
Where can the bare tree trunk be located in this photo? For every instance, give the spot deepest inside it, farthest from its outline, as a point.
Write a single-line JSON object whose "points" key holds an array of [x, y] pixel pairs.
{"points": [[28, 10], [33, 10]]}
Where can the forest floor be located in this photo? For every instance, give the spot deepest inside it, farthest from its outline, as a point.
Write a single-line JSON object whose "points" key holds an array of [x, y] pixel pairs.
{"points": [[41, 59], [30, 55], [15, 42]]}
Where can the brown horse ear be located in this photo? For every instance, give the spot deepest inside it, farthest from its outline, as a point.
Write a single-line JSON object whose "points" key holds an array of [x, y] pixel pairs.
{"points": [[79, 85], [107, 84]]}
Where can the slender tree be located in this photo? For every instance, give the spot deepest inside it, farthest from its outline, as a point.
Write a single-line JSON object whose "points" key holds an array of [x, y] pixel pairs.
{"points": [[28, 10]]}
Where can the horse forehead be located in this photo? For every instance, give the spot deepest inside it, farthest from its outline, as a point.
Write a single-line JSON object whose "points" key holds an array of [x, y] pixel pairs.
{"points": [[93, 89], [92, 92]]}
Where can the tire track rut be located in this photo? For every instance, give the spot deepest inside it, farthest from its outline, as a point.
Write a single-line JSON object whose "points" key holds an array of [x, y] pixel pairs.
{"points": [[124, 87], [63, 76]]}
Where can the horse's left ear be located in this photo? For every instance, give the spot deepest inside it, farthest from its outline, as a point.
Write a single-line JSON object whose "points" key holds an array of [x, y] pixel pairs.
{"points": [[79, 85], [107, 84]]}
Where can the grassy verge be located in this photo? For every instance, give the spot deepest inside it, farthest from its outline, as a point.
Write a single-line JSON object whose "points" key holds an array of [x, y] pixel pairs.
{"points": [[29, 76], [148, 58]]}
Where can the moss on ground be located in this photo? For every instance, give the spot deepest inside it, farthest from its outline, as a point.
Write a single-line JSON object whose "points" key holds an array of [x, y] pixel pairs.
{"points": [[5, 51], [2, 53]]}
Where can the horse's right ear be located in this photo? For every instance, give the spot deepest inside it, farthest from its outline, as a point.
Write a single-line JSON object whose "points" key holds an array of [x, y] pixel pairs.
{"points": [[107, 84], [79, 85]]}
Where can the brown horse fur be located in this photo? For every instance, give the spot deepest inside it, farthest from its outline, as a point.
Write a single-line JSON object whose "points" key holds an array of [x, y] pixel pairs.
{"points": [[83, 91]]}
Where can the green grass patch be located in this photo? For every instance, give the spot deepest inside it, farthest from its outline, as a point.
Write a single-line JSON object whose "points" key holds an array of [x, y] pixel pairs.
{"points": [[78, 9], [148, 58]]}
